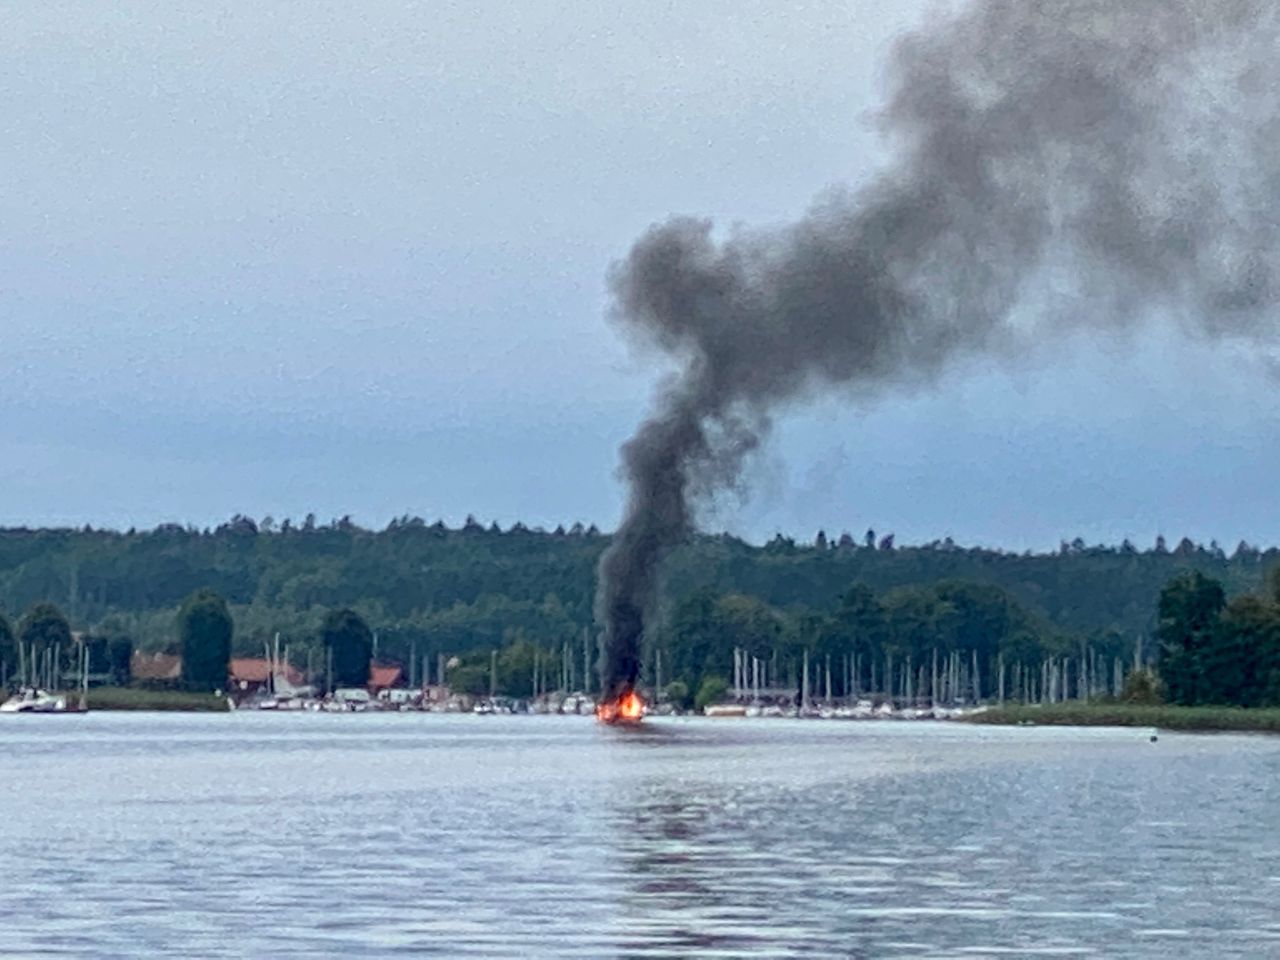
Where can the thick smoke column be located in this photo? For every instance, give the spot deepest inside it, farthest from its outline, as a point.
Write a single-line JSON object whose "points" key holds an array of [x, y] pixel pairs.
{"points": [[1058, 165]]}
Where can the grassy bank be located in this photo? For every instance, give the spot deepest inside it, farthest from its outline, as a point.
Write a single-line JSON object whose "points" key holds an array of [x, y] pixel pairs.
{"points": [[130, 698], [1133, 715]]}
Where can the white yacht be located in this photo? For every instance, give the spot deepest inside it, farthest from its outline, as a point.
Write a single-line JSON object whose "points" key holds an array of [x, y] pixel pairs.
{"points": [[32, 700]]}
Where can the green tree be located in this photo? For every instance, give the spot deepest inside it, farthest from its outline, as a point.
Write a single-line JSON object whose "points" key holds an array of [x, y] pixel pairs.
{"points": [[1189, 611], [515, 665], [1228, 661], [99, 652], [1241, 663], [120, 660], [677, 692], [860, 622], [348, 641], [712, 690], [916, 621], [204, 635], [8, 650], [695, 637], [749, 623], [705, 629], [471, 678], [44, 629]]}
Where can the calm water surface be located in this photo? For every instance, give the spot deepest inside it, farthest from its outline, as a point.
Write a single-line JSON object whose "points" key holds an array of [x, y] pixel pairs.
{"points": [[424, 835]]}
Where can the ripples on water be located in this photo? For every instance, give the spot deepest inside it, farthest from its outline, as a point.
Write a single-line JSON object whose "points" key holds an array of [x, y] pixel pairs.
{"points": [[425, 835]]}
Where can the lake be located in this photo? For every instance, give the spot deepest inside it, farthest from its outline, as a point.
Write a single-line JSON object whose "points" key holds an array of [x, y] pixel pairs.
{"points": [[320, 835]]}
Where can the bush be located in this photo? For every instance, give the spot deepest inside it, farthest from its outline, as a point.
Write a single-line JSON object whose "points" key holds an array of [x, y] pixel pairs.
{"points": [[1142, 687], [677, 694], [712, 691]]}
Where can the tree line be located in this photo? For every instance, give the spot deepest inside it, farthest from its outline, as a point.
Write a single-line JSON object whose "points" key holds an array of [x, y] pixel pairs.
{"points": [[475, 587], [954, 637]]}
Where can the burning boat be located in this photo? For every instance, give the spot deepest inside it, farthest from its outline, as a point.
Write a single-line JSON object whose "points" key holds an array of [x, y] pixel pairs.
{"points": [[627, 708]]}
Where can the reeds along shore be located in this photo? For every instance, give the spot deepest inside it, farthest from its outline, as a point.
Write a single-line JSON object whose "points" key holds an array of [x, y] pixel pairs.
{"points": [[133, 698], [1166, 717]]}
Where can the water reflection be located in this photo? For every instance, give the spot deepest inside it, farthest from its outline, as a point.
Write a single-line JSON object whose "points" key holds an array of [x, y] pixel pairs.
{"points": [[492, 837], [944, 856]]}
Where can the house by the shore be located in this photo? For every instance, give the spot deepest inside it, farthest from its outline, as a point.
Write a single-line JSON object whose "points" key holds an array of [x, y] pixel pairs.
{"points": [[155, 667], [384, 677], [249, 675]]}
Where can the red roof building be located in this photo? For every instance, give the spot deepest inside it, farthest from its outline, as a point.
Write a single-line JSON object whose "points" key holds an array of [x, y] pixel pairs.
{"points": [[249, 672], [155, 666], [380, 678]]}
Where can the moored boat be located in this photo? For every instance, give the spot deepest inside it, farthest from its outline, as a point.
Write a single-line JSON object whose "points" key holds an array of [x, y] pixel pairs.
{"points": [[725, 710], [32, 700]]}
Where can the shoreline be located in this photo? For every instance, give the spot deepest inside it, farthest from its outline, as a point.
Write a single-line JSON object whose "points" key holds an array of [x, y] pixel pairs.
{"points": [[1206, 719], [168, 701], [1161, 717]]}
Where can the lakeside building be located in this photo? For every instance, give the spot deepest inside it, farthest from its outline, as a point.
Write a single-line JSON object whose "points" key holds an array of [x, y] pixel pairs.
{"points": [[155, 667], [249, 675], [384, 677]]}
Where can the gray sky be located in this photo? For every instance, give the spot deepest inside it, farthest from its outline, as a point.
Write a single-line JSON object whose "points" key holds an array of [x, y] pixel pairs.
{"points": [[350, 258]]}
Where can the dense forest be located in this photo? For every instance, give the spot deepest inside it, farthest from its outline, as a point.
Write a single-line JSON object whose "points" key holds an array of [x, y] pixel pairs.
{"points": [[466, 591]]}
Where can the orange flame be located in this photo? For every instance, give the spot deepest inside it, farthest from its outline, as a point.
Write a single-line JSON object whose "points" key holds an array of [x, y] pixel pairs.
{"points": [[628, 708]]}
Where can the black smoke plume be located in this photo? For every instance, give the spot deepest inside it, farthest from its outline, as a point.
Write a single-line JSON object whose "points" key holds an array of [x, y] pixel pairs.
{"points": [[1057, 166]]}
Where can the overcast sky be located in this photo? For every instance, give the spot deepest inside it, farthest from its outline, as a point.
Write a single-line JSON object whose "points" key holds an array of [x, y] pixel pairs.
{"points": [[350, 259]]}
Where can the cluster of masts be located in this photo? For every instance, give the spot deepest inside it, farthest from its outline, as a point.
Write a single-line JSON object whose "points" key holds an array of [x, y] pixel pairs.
{"points": [[39, 672], [950, 678], [43, 668]]}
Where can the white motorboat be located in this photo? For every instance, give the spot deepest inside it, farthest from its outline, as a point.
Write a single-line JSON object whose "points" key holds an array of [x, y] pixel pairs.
{"points": [[32, 700], [724, 710]]}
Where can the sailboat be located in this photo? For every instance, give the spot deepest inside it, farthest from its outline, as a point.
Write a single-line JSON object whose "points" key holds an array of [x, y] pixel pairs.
{"points": [[31, 699]]}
